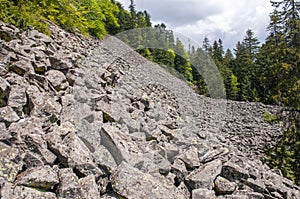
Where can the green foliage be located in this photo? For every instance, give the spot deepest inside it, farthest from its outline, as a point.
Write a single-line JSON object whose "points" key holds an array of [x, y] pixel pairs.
{"points": [[87, 16], [270, 118]]}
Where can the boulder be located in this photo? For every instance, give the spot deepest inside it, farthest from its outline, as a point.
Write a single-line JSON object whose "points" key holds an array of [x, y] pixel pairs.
{"points": [[190, 158], [42, 177], [21, 67], [89, 188], [68, 186], [224, 186], [4, 88], [203, 194], [30, 193], [57, 79], [204, 176], [8, 115], [129, 182], [17, 99]]}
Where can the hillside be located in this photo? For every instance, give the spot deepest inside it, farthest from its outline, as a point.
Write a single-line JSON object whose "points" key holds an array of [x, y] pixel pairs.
{"points": [[84, 118]]}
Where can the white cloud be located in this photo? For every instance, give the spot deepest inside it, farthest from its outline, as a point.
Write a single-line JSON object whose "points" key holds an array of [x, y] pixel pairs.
{"points": [[215, 19]]}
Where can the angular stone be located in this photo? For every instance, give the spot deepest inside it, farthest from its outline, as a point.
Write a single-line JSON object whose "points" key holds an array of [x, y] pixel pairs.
{"points": [[43, 104], [9, 169], [68, 187], [256, 185], [6, 189], [204, 176], [118, 144], [224, 186], [8, 115], [233, 172], [73, 153], [60, 63], [214, 154], [203, 194], [21, 67], [183, 190], [42, 65], [89, 188], [17, 98], [28, 134], [4, 88], [43, 177], [4, 134], [190, 158], [129, 182], [57, 79], [29, 193], [179, 169]]}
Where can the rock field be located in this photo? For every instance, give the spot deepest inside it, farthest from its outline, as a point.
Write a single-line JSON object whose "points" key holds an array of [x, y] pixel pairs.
{"points": [[91, 119]]}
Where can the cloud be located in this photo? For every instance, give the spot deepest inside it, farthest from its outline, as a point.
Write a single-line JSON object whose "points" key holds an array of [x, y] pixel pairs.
{"points": [[215, 19]]}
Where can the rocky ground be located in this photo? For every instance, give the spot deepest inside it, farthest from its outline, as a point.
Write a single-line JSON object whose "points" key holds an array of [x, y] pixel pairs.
{"points": [[82, 118]]}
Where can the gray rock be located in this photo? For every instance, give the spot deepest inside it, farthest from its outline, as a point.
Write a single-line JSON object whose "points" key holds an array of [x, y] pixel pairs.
{"points": [[183, 190], [129, 182], [21, 67], [190, 158], [213, 154], [6, 190], [4, 134], [203, 194], [233, 172], [60, 63], [69, 186], [118, 144], [17, 99], [73, 153], [9, 169], [43, 177], [8, 115], [204, 176], [224, 186], [89, 188], [57, 79], [4, 88], [178, 168], [21, 192]]}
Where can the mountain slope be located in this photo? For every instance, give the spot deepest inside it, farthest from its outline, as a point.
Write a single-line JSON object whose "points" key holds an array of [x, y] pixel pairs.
{"points": [[86, 118]]}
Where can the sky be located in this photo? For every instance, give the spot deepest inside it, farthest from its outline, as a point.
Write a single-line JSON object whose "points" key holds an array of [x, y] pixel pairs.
{"points": [[196, 19]]}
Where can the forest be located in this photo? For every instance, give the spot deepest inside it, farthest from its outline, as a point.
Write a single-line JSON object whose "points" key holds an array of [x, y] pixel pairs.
{"points": [[267, 72]]}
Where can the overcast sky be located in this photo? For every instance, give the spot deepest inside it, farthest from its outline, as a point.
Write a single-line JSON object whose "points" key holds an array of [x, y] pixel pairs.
{"points": [[215, 19]]}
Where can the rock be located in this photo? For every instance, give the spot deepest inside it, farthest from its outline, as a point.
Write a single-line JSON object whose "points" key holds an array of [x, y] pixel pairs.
{"points": [[129, 182], [68, 187], [17, 99], [4, 88], [214, 154], [118, 144], [190, 158], [60, 63], [10, 163], [21, 192], [4, 134], [233, 172], [179, 169], [43, 177], [8, 115], [73, 153], [205, 175], [203, 194], [183, 190], [256, 185], [89, 188], [224, 186], [21, 67], [6, 191], [57, 79]]}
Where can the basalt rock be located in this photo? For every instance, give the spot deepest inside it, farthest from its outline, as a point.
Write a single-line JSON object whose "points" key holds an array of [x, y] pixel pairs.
{"points": [[83, 118]]}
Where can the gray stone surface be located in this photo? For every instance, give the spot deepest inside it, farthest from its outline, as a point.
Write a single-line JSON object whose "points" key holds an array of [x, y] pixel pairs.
{"points": [[204, 176], [43, 177], [111, 124]]}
